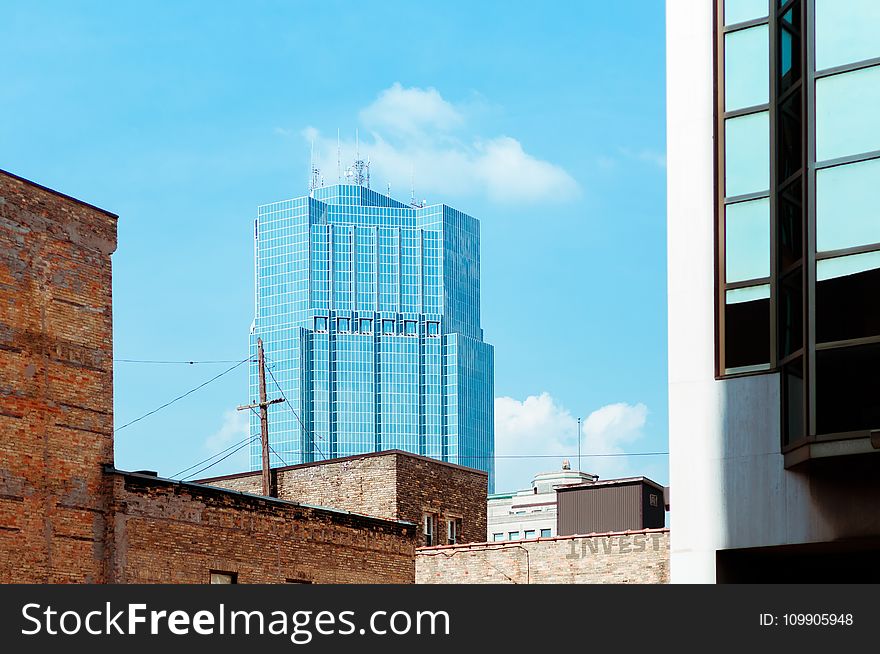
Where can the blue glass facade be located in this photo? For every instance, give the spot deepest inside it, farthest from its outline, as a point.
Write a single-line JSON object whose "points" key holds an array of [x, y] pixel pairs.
{"points": [[369, 311]]}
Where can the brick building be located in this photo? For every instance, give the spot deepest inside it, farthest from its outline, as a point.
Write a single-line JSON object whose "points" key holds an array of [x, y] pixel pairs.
{"points": [[392, 484], [66, 514], [627, 557]]}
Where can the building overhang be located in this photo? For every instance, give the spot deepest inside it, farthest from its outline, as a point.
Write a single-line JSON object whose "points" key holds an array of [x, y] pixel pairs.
{"points": [[830, 447]]}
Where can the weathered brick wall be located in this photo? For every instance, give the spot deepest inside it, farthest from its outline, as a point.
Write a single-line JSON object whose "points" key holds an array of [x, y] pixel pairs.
{"points": [[391, 484], [640, 557], [363, 485], [165, 532], [447, 491], [56, 372]]}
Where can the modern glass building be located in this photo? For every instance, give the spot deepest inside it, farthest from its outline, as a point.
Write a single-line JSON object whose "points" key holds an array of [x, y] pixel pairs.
{"points": [[774, 280], [369, 311]]}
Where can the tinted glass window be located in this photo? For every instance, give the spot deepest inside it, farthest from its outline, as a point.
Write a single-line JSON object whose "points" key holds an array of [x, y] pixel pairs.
{"points": [[790, 137], [791, 317], [848, 113], [846, 32], [747, 245], [847, 211], [739, 11], [747, 327], [746, 68], [790, 225], [846, 389], [789, 48], [793, 401], [847, 305], [747, 154]]}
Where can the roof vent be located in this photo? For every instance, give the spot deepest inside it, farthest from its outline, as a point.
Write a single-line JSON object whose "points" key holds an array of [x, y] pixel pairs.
{"points": [[566, 464]]}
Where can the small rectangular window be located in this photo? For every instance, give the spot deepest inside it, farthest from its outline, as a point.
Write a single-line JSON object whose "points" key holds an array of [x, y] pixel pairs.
{"points": [[846, 389], [739, 11], [366, 326], [513, 535], [320, 324], [387, 326], [747, 154], [342, 325], [529, 533], [653, 500], [746, 67], [453, 530], [846, 201], [218, 577], [545, 533], [846, 32], [747, 328], [747, 240], [429, 522], [433, 328], [497, 537], [410, 327], [846, 297]]}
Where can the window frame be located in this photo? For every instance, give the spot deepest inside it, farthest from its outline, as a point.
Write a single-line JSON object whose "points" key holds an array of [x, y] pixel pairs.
{"points": [[722, 201], [233, 577]]}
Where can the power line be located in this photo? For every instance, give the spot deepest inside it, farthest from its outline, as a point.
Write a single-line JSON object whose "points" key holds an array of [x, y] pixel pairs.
{"points": [[280, 458], [278, 455], [191, 363], [563, 456], [198, 472], [195, 465], [180, 397]]}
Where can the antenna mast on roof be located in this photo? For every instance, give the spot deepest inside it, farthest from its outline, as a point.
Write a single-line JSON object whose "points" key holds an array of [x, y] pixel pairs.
{"points": [[359, 172], [338, 159], [314, 172], [412, 189]]}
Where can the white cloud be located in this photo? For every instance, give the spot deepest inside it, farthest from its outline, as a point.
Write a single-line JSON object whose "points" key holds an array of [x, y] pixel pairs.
{"points": [[539, 425], [233, 431], [414, 132], [411, 112], [646, 155]]}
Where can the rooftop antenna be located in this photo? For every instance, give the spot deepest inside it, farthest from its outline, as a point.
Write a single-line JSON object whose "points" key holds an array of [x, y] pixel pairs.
{"points": [[388, 192], [359, 171], [412, 185], [314, 172]]}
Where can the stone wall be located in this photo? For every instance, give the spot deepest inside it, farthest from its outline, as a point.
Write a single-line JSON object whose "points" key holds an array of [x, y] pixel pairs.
{"points": [[634, 557], [391, 484], [167, 532], [56, 376]]}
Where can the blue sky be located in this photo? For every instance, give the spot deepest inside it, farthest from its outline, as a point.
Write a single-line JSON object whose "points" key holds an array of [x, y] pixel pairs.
{"points": [[545, 122]]}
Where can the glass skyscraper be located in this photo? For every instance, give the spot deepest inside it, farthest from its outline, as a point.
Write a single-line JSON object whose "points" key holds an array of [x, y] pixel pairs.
{"points": [[369, 311]]}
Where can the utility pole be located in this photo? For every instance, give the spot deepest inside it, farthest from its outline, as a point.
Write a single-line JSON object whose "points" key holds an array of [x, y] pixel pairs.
{"points": [[263, 405]]}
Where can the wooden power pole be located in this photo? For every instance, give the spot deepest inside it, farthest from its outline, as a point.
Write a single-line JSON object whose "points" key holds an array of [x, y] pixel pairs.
{"points": [[263, 405]]}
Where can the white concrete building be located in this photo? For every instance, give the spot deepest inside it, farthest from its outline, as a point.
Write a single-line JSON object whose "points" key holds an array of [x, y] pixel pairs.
{"points": [[773, 260], [530, 513]]}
